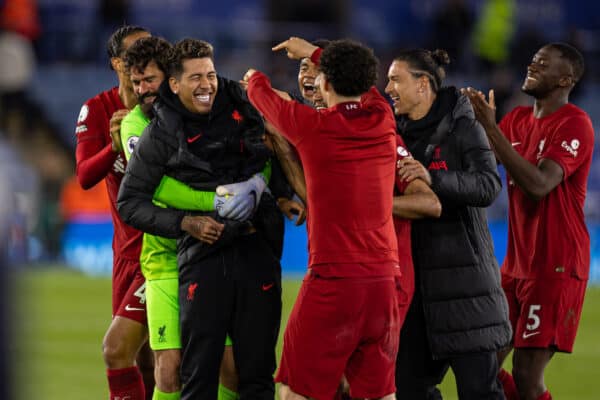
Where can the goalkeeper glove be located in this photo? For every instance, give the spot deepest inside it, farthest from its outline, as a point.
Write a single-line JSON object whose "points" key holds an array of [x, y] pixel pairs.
{"points": [[240, 199]]}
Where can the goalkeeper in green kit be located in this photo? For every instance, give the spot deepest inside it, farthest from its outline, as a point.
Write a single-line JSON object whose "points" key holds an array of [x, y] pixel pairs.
{"points": [[147, 60]]}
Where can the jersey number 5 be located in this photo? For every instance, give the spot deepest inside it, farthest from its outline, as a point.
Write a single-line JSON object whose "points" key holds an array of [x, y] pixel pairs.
{"points": [[533, 320]]}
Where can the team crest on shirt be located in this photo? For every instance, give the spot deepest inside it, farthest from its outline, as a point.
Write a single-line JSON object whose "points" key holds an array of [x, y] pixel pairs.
{"points": [[571, 147], [541, 148], [83, 113], [402, 152], [131, 142]]}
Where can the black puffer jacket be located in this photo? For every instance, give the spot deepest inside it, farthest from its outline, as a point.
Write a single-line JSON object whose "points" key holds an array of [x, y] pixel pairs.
{"points": [[202, 151], [456, 272]]}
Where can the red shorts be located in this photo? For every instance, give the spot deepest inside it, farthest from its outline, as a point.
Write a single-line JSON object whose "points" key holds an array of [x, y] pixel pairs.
{"points": [[129, 290], [342, 326], [544, 313]]}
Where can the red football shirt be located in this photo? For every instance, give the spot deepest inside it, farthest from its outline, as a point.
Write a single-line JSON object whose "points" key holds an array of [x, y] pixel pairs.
{"points": [[549, 238], [97, 161], [403, 225], [349, 155]]}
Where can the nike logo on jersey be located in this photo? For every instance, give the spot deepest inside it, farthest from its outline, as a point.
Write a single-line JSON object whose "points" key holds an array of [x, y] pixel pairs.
{"points": [[129, 308], [527, 335], [194, 138], [515, 144], [266, 287]]}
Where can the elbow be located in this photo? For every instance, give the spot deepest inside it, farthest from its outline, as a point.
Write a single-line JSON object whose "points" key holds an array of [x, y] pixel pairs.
{"points": [[84, 181], [492, 188], [85, 178], [435, 207], [124, 211], [536, 193], [437, 210], [125, 208], [127, 214]]}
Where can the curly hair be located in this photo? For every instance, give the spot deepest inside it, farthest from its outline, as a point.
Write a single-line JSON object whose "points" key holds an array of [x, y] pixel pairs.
{"points": [[349, 66], [186, 49], [148, 49], [114, 46], [426, 63]]}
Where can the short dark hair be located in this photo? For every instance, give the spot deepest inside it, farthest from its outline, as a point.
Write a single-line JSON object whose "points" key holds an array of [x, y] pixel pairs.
{"points": [[349, 66], [186, 49], [573, 57], [148, 49], [322, 43], [428, 63], [114, 46]]}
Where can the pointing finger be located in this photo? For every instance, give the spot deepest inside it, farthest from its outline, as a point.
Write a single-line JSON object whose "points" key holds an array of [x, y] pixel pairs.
{"points": [[280, 46]]}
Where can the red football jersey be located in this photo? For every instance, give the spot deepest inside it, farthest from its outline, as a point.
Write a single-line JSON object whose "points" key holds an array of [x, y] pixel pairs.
{"points": [[97, 161], [402, 225], [548, 238], [349, 156]]}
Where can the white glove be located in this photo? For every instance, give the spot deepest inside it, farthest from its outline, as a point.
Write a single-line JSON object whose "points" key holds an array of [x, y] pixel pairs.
{"points": [[241, 199]]}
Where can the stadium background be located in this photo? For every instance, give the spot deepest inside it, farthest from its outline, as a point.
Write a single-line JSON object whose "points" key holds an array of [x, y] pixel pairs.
{"points": [[53, 58]]}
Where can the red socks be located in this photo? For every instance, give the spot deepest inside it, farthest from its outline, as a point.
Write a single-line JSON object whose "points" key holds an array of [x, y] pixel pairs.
{"points": [[125, 383], [545, 396], [510, 389], [508, 384]]}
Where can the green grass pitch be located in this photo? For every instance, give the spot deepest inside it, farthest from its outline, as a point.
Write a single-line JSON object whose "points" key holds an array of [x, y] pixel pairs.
{"points": [[59, 317]]}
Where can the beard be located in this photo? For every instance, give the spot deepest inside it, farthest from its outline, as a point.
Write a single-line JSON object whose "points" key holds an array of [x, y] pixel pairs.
{"points": [[538, 91], [142, 99], [534, 92], [146, 108]]}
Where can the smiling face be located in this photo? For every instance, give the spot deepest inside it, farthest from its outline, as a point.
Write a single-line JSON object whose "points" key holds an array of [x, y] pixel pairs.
{"points": [[403, 88], [197, 86], [318, 100], [306, 78], [146, 82], [547, 72]]}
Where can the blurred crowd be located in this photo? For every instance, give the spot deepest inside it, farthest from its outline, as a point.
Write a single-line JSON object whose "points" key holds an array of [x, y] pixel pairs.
{"points": [[52, 58]]}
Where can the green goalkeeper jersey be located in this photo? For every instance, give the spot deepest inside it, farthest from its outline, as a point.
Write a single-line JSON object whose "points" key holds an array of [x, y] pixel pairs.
{"points": [[158, 258]]}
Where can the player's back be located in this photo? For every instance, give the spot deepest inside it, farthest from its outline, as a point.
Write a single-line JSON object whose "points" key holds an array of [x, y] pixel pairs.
{"points": [[350, 171]]}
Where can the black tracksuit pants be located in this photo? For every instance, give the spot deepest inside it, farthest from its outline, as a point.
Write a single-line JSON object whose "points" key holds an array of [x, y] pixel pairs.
{"points": [[234, 290], [417, 373]]}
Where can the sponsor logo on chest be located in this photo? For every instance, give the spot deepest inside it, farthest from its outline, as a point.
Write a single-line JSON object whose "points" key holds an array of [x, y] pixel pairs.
{"points": [[437, 163]]}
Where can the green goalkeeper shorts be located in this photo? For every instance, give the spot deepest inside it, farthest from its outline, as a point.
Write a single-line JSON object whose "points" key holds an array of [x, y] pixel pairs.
{"points": [[162, 308]]}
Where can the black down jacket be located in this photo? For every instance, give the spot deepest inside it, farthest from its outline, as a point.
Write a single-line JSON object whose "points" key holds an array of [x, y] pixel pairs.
{"points": [[229, 149], [456, 273]]}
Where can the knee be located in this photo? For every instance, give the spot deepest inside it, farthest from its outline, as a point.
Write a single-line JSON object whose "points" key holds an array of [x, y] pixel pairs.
{"points": [[167, 371], [285, 393], [116, 353]]}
